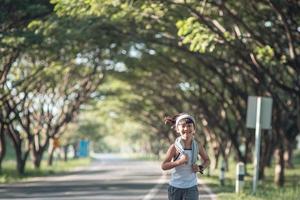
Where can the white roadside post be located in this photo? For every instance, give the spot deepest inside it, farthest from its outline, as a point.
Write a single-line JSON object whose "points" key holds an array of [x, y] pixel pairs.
{"points": [[240, 174], [222, 173], [259, 112]]}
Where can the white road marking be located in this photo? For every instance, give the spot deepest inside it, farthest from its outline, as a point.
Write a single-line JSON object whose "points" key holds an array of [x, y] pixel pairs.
{"points": [[210, 194], [151, 194]]}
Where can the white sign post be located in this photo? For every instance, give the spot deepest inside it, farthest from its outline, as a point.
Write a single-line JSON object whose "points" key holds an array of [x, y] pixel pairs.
{"points": [[259, 113], [240, 174]]}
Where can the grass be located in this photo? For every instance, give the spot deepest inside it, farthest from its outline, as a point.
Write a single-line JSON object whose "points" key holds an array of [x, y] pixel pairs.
{"points": [[266, 189], [9, 173]]}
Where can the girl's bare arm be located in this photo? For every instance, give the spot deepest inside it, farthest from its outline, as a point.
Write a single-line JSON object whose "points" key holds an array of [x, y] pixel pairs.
{"points": [[204, 157], [168, 163]]}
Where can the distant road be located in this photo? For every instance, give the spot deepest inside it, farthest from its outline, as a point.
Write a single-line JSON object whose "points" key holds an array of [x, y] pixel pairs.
{"points": [[110, 177]]}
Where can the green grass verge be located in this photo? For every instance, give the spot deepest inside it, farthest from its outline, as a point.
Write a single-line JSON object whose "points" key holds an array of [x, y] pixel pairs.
{"points": [[266, 189], [9, 173]]}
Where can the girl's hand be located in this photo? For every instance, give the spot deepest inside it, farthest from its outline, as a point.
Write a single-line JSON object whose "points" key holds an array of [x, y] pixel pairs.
{"points": [[183, 159], [197, 168]]}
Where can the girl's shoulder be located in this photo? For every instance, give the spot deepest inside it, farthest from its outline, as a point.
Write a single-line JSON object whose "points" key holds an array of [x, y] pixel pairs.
{"points": [[172, 149]]}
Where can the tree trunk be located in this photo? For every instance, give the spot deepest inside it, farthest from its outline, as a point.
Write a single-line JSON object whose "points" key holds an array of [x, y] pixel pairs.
{"points": [[261, 169], [75, 150], [2, 146], [224, 162], [263, 157], [248, 153], [66, 152], [215, 163], [38, 150], [21, 160], [288, 155], [235, 144], [227, 153], [270, 149], [279, 166], [37, 159], [50, 155], [20, 165]]}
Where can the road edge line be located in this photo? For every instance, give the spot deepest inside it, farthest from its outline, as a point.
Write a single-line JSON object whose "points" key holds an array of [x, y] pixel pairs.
{"points": [[211, 195], [156, 188]]}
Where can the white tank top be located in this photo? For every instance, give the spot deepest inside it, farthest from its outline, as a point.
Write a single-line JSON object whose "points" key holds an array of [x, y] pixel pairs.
{"points": [[183, 176]]}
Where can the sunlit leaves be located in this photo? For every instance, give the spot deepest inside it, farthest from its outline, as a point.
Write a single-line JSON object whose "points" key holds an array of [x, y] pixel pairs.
{"points": [[113, 9], [264, 54], [70, 7], [199, 38], [12, 41]]}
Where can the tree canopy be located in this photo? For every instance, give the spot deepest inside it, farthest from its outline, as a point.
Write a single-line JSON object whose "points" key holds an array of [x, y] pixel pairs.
{"points": [[201, 57]]}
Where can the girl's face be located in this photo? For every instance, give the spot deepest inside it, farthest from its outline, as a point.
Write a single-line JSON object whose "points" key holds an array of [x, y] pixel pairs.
{"points": [[186, 130]]}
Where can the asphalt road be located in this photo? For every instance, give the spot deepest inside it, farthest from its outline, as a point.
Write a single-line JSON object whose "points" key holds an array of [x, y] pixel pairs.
{"points": [[108, 178]]}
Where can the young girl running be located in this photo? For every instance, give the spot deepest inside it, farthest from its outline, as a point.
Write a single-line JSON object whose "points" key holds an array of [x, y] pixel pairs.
{"points": [[182, 157]]}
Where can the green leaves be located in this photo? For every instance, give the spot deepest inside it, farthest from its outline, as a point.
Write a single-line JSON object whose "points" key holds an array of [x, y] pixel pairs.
{"points": [[199, 38], [265, 54], [12, 41], [72, 8]]}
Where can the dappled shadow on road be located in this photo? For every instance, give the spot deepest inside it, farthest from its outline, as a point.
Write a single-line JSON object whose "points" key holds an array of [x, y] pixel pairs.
{"points": [[84, 172], [109, 180], [76, 189]]}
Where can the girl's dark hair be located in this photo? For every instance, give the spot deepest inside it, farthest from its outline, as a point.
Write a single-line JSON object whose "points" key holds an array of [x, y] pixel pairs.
{"points": [[171, 120]]}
